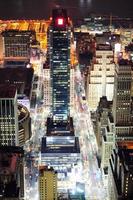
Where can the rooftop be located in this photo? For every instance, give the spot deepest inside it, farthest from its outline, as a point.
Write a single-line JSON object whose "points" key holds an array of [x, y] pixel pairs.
{"points": [[7, 90], [60, 149], [61, 128], [46, 168], [126, 155], [125, 62], [104, 47], [20, 77]]}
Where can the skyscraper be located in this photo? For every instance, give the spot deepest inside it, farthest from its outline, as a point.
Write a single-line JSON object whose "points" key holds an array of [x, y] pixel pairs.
{"points": [[101, 77], [59, 56], [120, 179], [60, 147], [122, 104], [8, 115]]}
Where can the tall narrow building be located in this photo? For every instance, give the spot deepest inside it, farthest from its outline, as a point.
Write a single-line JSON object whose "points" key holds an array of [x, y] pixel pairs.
{"points": [[122, 102], [60, 146], [59, 56]]}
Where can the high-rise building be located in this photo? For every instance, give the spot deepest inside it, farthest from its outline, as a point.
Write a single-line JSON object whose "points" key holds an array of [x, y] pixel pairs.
{"points": [[103, 118], [101, 77], [47, 95], [60, 147], [105, 135], [15, 122], [59, 56], [8, 115], [120, 179], [122, 102], [24, 124], [22, 78], [72, 88], [47, 183]]}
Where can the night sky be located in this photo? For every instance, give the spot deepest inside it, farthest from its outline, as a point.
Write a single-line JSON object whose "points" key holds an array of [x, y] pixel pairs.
{"points": [[41, 9]]}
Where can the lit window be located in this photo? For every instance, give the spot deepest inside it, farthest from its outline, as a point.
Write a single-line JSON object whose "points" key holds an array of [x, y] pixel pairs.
{"points": [[60, 21]]}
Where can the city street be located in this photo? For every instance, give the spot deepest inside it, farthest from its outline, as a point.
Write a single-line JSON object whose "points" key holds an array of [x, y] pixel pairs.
{"points": [[87, 171], [83, 125]]}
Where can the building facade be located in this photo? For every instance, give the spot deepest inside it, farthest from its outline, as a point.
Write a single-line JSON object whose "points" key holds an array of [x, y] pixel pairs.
{"points": [[122, 104], [47, 183], [47, 94], [120, 179], [17, 44], [8, 115], [101, 77], [60, 147], [59, 57], [11, 173]]}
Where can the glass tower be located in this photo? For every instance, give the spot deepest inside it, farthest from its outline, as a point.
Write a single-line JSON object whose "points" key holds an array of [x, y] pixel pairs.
{"points": [[59, 57]]}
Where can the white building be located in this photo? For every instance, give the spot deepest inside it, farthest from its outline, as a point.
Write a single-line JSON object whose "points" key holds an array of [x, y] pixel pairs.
{"points": [[72, 88], [47, 88], [101, 77], [108, 143]]}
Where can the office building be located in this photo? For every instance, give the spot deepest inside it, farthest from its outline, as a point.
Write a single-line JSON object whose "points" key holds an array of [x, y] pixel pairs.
{"points": [[47, 95], [120, 179], [122, 101], [24, 124], [102, 118], [105, 135], [8, 115], [101, 78], [47, 183], [108, 143], [11, 173], [47, 91], [59, 56], [17, 44], [15, 121], [60, 147], [72, 88], [22, 78]]}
